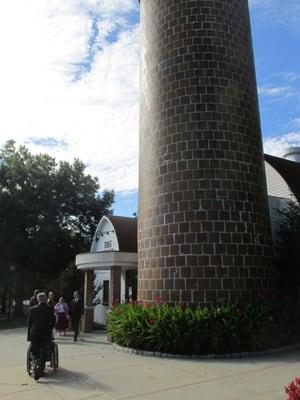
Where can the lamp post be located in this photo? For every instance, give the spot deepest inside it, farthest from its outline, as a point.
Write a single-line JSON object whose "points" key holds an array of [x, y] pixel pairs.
{"points": [[12, 268]]}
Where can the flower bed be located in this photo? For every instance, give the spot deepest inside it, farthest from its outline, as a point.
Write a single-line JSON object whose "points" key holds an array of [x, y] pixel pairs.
{"points": [[200, 330]]}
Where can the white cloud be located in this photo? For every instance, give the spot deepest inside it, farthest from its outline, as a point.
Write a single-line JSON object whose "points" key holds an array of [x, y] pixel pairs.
{"points": [[43, 44], [278, 144], [109, 7], [296, 122], [277, 12], [275, 91]]}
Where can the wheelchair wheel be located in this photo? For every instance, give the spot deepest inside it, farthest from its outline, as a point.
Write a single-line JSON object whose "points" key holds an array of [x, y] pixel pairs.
{"points": [[54, 357], [29, 362], [32, 366]]}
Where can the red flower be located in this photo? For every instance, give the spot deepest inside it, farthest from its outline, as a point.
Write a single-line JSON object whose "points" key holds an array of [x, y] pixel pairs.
{"points": [[293, 389]]}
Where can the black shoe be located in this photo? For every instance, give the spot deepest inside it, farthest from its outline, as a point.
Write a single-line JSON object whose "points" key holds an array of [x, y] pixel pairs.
{"points": [[75, 339], [42, 374], [37, 375]]}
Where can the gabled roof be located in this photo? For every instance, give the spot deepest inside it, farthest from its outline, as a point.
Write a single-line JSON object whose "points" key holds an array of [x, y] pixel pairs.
{"points": [[126, 231], [289, 170]]}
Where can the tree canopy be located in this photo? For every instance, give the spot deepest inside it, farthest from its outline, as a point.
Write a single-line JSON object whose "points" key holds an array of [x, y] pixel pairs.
{"points": [[48, 212]]}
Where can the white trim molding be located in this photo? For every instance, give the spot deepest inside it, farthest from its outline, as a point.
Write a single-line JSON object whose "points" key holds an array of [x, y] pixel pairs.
{"points": [[103, 261]]}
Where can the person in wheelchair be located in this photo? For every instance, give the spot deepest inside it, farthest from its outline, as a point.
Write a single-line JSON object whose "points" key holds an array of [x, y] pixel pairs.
{"points": [[41, 321]]}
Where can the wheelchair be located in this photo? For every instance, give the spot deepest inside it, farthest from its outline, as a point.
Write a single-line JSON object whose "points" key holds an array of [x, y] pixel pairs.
{"points": [[52, 357]]}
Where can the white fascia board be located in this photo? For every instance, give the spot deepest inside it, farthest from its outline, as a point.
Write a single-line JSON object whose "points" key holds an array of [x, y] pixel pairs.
{"points": [[105, 259]]}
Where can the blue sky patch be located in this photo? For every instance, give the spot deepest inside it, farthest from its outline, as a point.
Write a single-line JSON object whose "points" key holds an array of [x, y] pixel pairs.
{"points": [[49, 142], [84, 66], [94, 45]]}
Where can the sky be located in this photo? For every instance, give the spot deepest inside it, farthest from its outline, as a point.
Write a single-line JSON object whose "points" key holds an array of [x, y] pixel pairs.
{"points": [[69, 82]]}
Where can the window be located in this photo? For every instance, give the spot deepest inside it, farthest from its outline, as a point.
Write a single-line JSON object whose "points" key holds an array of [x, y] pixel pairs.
{"points": [[107, 245], [105, 300]]}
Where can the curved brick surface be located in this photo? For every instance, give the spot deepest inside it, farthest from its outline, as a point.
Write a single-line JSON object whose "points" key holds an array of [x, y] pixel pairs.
{"points": [[203, 226]]}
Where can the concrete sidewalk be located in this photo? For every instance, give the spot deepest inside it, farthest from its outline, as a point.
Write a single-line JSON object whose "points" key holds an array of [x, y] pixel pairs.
{"points": [[93, 369]]}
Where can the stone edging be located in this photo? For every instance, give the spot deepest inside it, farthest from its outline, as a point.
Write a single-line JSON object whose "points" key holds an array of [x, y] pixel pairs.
{"points": [[206, 356]]}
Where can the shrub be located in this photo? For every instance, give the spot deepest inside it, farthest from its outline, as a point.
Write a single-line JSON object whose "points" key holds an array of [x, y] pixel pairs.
{"points": [[293, 389], [197, 330]]}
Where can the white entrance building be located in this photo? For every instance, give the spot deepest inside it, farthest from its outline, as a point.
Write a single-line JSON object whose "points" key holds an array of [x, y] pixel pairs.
{"points": [[110, 267]]}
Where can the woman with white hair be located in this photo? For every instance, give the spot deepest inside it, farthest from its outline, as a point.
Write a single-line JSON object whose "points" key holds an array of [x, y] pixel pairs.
{"points": [[61, 310]]}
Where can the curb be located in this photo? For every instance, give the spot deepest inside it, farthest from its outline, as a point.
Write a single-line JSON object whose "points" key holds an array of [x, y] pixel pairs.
{"points": [[249, 354]]}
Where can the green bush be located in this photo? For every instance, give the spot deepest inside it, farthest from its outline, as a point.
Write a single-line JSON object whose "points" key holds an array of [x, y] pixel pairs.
{"points": [[199, 330]]}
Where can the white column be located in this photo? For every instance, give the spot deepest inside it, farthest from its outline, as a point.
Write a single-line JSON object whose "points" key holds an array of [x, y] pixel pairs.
{"points": [[123, 282]]}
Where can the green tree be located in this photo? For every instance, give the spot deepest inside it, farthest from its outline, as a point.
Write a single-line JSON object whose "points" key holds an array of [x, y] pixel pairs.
{"points": [[48, 213], [69, 280]]}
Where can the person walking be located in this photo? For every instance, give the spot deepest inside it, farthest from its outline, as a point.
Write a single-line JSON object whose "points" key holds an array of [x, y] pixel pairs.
{"points": [[33, 300], [40, 324], [51, 303], [51, 300], [61, 311], [76, 311]]}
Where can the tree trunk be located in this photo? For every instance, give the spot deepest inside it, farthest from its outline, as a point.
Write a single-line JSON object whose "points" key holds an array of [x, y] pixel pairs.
{"points": [[3, 300], [18, 292]]}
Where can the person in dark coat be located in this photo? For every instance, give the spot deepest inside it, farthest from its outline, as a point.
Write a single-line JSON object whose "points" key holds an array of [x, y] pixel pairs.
{"points": [[33, 300], [51, 300], [76, 311], [41, 321]]}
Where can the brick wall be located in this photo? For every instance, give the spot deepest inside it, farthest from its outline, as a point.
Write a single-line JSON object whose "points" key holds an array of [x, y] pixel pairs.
{"points": [[203, 226], [88, 317], [115, 285]]}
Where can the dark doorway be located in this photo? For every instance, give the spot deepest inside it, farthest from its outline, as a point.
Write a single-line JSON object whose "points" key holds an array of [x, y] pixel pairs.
{"points": [[131, 285]]}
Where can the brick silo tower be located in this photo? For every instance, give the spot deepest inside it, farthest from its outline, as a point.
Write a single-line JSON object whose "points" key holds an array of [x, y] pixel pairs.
{"points": [[203, 226]]}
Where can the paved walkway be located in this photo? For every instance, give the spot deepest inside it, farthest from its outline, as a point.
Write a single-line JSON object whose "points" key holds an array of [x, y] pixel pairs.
{"points": [[93, 369]]}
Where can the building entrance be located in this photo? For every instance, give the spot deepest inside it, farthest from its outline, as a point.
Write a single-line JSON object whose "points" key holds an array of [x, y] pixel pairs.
{"points": [[131, 285]]}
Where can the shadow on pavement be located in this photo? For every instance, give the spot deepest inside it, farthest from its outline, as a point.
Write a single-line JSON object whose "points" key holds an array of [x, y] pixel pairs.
{"points": [[68, 378]]}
